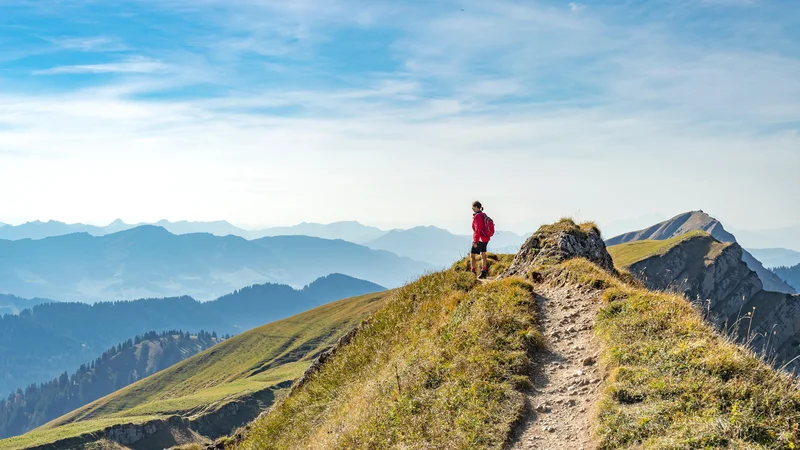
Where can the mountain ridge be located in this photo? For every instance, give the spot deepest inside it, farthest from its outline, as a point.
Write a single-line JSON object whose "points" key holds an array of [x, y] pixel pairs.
{"points": [[11, 304], [699, 220], [666, 377], [213, 392], [714, 277], [149, 261], [54, 337]]}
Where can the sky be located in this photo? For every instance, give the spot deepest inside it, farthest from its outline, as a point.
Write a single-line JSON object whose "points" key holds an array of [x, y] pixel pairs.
{"points": [[398, 114]]}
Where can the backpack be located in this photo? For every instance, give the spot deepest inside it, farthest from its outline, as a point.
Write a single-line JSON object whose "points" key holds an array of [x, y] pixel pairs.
{"points": [[489, 225]]}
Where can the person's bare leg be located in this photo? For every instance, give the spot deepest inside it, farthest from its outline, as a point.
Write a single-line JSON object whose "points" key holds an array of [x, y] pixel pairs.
{"points": [[472, 258], [484, 261]]}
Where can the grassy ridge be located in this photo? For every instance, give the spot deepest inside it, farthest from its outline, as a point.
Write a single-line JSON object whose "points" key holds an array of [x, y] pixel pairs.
{"points": [[625, 255], [251, 362], [442, 365], [675, 383]]}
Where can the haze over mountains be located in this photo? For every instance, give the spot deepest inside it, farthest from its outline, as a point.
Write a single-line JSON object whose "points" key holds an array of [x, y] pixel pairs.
{"points": [[11, 304], [118, 367], [349, 230], [776, 257], [148, 261], [700, 221], [786, 237], [789, 274], [424, 243], [51, 338]]}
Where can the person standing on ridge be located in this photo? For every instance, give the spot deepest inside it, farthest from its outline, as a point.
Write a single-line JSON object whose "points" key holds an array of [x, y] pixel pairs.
{"points": [[482, 231]]}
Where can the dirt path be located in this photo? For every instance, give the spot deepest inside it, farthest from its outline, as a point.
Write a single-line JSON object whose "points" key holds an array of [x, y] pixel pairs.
{"points": [[566, 378]]}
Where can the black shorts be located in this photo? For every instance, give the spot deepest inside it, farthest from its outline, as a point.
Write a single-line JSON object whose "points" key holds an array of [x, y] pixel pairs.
{"points": [[478, 249]]}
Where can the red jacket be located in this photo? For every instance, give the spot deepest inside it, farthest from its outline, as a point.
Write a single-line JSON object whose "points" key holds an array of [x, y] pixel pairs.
{"points": [[479, 227]]}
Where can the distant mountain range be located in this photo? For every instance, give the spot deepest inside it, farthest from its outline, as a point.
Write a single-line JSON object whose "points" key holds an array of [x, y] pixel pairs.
{"points": [[149, 261], [42, 342], [429, 244], [119, 366], [438, 246], [11, 304], [700, 221], [348, 231], [776, 257]]}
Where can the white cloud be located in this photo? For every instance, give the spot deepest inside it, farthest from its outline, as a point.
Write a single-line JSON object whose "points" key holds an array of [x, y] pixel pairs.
{"points": [[130, 65], [90, 44], [630, 105]]}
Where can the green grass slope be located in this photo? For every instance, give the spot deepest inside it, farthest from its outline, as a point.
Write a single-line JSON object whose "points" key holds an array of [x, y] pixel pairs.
{"points": [[673, 382], [252, 362], [442, 365], [630, 253]]}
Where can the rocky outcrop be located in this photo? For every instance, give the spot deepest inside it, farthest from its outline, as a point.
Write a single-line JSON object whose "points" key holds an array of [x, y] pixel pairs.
{"points": [[708, 272], [556, 243], [700, 221], [713, 276]]}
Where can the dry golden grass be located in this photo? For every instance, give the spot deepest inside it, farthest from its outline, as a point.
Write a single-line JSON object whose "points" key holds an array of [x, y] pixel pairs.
{"points": [[674, 382], [498, 263], [441, 366]]}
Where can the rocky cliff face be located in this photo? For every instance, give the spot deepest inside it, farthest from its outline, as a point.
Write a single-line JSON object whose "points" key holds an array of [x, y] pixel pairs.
{"points": [[709, 273], [559, 242], [700, 221], [714, 277]]}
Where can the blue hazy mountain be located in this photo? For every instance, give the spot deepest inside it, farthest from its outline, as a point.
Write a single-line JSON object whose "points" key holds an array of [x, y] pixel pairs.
{"points": [[44, 341], [11, 304], [149, 261], [438, 246], [776, 257], [348, 231]]}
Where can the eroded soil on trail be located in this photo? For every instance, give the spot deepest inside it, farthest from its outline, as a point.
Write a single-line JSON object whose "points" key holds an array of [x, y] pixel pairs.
{"points": [[566, 378]]}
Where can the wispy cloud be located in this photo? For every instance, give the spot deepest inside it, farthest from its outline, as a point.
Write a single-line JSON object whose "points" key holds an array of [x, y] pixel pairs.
{"points": [[89, 44], [130, 65], [275, 102]]}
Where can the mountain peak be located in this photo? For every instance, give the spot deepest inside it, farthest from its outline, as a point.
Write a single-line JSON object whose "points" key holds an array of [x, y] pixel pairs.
{"points": [[701, 221]]}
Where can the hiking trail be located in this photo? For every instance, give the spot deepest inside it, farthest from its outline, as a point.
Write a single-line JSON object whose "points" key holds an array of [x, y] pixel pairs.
{"points": [[566, 377]]}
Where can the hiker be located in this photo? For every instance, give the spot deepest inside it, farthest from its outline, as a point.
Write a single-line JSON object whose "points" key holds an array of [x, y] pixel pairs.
{"points": [[482, 231]]}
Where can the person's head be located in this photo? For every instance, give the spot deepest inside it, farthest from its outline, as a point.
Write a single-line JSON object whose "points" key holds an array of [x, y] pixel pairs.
{"points": [[476, 206]]}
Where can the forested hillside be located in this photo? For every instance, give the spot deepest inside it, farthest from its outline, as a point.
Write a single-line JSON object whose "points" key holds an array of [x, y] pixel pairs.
{"points": [[118, 367]]}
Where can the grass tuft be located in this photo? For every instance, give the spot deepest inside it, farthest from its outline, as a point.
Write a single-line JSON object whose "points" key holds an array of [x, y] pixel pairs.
{"points": [[498, 263]]}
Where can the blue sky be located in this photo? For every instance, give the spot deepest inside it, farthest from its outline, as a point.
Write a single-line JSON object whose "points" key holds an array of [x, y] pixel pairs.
{"points": [[399, 113]]}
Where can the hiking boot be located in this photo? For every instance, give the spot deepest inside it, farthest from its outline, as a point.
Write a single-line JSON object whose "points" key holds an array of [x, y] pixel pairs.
{"points": [[484, 274]]}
